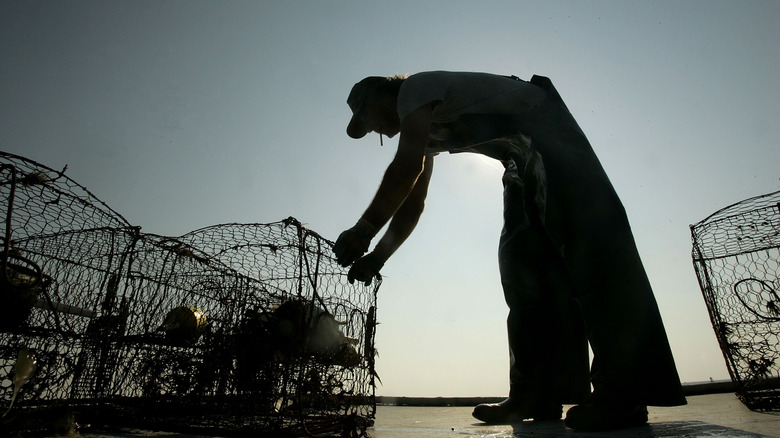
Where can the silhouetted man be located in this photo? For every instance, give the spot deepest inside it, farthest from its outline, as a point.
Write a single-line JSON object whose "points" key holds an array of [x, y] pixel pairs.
{"points": [[569, 266]]}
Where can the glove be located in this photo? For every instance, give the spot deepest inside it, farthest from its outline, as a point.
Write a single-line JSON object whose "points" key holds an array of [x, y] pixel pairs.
{"points": [[354, 242], [365, 269]]}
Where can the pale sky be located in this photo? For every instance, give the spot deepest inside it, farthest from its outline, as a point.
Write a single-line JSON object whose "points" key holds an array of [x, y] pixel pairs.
{"points": [[185, 114]]}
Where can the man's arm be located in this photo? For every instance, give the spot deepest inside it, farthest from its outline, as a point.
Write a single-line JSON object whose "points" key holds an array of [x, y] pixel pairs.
{"points": [[405, 219], [397, 183], [401, 226], [404, 170]]}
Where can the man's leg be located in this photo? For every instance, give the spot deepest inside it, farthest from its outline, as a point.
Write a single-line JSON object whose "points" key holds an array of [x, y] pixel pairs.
{"points": [[548, 348], [547, 341]]}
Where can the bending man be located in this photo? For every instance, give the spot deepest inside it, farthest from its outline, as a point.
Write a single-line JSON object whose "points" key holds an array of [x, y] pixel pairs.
{"points": [[569, 266]]}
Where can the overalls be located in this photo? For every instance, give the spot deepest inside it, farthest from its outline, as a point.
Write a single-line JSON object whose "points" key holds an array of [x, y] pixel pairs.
{"points": [[570, 269]]}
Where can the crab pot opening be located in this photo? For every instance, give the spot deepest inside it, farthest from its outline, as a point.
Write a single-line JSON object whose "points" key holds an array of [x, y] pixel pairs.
{"points": [[231, 329], [736, 256]]}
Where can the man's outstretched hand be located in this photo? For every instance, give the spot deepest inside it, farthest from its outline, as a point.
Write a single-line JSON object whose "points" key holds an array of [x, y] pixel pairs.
{"points": [[353, 243], [365, 269]]}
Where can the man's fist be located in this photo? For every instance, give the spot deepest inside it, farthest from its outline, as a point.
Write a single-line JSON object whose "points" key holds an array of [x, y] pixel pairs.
{"points": [[365, 269], [350, 245], [354, 242]]}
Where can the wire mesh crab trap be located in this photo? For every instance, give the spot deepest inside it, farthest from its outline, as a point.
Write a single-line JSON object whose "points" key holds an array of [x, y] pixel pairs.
{"points": [[231, 329], [736, 255]]}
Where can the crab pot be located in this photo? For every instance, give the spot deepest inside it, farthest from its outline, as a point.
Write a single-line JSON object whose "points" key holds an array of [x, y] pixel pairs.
{"points": [[736, 256], [248, 329]]}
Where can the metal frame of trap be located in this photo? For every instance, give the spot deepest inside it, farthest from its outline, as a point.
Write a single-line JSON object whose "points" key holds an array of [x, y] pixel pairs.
{"points": [[96, 289], [736, 256]]}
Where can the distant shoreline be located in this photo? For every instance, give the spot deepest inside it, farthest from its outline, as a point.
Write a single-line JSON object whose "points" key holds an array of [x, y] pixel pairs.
{"points": [[689, 389]]}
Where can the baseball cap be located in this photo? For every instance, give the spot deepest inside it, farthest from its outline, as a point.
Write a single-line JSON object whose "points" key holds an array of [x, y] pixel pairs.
{"points": [[357, 97]]}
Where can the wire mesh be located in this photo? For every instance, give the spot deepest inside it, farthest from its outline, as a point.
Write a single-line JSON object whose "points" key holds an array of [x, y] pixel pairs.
{"points": [[235, 328], [736, 256]]}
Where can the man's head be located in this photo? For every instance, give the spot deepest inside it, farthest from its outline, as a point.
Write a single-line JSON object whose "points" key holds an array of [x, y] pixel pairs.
{"points": [[371, 91]]}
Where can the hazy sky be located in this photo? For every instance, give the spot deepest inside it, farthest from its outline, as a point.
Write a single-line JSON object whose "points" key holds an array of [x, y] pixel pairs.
{"points": [[184, 114]]}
